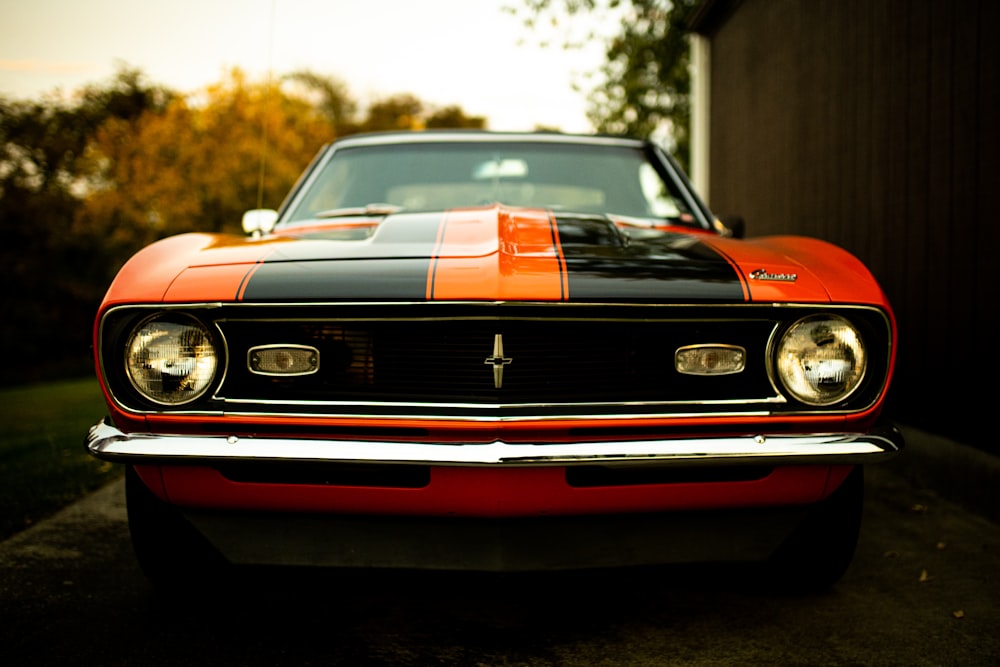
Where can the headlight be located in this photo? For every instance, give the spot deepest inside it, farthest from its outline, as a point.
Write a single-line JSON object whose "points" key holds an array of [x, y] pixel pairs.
{"points": [[171, 359], [821, 359]]}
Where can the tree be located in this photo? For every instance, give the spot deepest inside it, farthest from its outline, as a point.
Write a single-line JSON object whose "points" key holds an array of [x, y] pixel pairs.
{"points": [[86, 181], [454, 118], [397, 112], [55, 279], [645, 85], [333, 100], [198, 164], [406, 112]]}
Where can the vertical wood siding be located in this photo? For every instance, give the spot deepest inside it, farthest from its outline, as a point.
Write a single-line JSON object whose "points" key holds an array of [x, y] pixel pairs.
{"points": [[873, 124]]}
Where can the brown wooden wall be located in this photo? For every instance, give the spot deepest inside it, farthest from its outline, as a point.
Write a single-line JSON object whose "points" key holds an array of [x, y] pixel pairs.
{"points": [[874, 124]]}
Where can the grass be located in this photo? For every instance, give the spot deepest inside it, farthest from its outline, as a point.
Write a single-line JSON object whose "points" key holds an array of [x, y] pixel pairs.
{"points": [[44, 465]]}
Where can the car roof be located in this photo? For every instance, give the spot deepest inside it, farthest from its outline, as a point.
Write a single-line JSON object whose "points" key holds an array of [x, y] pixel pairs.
{"points": [[478, 136]]}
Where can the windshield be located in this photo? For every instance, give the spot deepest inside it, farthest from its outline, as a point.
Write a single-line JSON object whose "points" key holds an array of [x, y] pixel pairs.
{"points": [[585, 178]]}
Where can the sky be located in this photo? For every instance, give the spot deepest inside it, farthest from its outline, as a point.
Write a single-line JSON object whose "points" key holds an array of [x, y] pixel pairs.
{"points": [[468, 53]]}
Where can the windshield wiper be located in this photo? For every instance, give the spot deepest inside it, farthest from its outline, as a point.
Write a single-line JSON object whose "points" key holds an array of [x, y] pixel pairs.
{"points": [[377, 209]]}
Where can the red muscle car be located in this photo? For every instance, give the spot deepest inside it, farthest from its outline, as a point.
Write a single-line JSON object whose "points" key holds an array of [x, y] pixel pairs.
{"points": [[491, 351]]}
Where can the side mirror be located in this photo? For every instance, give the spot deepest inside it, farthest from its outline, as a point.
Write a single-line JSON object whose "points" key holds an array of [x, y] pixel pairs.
{"points": [[734, 225], [259, 221]]}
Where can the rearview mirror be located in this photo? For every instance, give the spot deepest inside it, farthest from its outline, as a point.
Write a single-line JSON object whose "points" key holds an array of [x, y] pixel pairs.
{"points": [[501, 168]]}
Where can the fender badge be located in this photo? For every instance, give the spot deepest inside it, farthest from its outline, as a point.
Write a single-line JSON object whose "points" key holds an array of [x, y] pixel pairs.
{"points": [[764, 274]]}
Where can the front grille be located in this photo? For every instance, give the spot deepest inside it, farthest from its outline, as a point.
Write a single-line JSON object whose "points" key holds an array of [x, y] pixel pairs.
{"points": [[441, 360], [454, 361]]}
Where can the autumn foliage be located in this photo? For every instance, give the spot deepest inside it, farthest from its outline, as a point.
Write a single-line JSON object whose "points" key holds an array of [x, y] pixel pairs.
{"points": [[196, 166], [84, 183]]}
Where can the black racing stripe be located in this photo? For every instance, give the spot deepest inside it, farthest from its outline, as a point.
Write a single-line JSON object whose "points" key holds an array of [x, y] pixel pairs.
{"points": [[432, 276], [554, 231], [353, 280], [246, 278], [668, 268]]}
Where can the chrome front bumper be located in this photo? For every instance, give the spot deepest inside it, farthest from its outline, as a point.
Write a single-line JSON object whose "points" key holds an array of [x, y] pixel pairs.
{"points": [[107, 442]]}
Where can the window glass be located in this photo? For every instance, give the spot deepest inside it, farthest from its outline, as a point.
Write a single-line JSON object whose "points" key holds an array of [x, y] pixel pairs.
{"points": [[590, 179]]}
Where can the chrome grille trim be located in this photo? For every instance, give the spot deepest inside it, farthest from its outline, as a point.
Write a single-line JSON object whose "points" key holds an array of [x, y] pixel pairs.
{"points": [[485, 419], [504, 406]]}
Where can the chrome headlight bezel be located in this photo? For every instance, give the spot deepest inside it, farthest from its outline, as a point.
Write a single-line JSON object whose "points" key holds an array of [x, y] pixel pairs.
{"points": [[187, 358], [821, 359]]}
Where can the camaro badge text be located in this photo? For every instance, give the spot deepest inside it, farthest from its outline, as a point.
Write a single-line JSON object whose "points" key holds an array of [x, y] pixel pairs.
{"points": [[498, 361], [764, 274]]}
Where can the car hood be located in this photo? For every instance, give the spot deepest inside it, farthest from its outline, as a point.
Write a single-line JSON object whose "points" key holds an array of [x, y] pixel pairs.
{"points": [[491, 253]]}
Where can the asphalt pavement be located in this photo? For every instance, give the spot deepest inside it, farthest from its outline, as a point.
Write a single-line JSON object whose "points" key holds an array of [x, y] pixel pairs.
{"points": [[923, 590], [960, 472]]}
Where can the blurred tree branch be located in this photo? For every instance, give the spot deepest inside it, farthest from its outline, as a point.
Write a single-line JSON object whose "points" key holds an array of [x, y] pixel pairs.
{"points": [[644, 86]]}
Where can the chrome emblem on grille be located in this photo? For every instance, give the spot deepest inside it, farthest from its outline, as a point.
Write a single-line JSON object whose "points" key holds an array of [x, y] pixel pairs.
{"points": [[498, 361]]}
